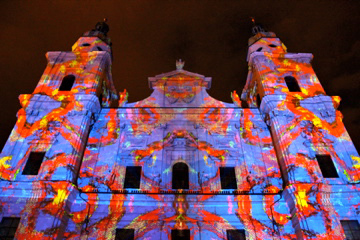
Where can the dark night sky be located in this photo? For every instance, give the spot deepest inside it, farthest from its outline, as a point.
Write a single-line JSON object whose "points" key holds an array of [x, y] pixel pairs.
{"points": [[211, 36]]}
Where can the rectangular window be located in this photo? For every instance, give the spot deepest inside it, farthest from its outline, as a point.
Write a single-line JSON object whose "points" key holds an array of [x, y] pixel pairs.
{"points": [[124, 234], [33, 163], [351, 229], [8, 227], [236, 234], [132, 177], [228, 178], [327, 166], [180, 234], [258, 100]]}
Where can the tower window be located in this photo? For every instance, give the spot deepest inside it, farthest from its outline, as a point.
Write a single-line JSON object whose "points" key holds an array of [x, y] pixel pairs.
{"points": [[101, 99], [244, 104], [124, 234], [292, 84], [351, 229], [180, 234], [180, 177], [33, 163], [8, 227], [236, 234], [67, 83], [99, 48], [132, 177], [227, 177], [259, 49], [85, 44], [258, 100], [272, 45], [327, 166]]}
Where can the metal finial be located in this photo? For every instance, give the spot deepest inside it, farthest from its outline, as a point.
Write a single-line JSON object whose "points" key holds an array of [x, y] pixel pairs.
{"points": [[102, 27], [253, 21], [179, 64], [256, 28]]}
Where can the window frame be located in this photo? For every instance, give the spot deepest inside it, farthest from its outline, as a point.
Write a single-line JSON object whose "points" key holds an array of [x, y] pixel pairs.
{"points": [[9, 228], [174, 231], [327, 166], [224, 175], [347, 227], [120, 232], [33, 162], [178, 182], [230, 232], [292, 84], [258, 100], [130, 175], [67, 83]]}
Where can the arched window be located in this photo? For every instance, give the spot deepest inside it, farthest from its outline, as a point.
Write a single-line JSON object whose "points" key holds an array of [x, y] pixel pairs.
{"points": [[67, 83], [292, 84], [180, 177]]}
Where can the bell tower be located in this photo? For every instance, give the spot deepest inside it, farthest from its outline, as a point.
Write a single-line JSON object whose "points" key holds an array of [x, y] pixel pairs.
{"points": [[44, 152], [315, 153]]}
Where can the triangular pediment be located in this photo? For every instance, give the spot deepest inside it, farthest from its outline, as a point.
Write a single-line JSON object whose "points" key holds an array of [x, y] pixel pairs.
{"points": [[180, 75]]}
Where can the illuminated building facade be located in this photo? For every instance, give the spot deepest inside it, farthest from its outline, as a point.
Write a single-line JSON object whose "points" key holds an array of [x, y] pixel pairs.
{"points": [[83, 163]]}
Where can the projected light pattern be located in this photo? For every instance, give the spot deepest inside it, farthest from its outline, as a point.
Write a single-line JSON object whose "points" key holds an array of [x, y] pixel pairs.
{"points": [[305, 124], [90, 135]]}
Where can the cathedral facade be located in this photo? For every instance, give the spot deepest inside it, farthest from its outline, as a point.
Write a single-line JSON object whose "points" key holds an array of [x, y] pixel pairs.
{"points": [[83, 163]]}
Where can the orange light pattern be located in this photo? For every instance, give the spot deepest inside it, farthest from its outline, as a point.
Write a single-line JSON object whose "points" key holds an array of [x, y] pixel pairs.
{"points": [[90, 134], [305, 123]]}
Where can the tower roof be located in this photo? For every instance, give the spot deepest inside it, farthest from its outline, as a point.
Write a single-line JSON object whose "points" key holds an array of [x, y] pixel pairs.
{"points": [[101, 29], [260, 34]]}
